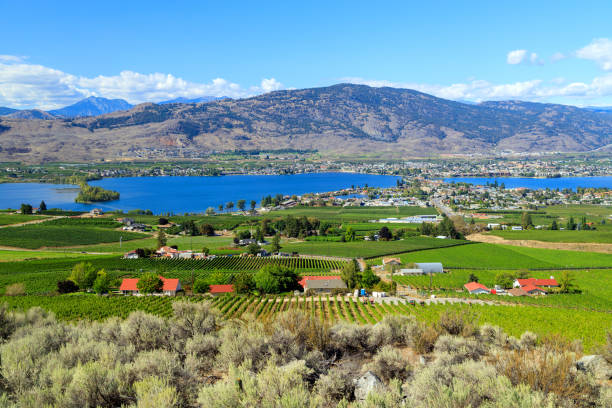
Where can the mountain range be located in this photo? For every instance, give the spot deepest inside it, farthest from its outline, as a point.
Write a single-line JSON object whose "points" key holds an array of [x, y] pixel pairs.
{"points": [[340, 119]]}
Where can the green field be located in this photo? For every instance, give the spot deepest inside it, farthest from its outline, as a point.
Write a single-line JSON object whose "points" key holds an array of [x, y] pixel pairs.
{"points": [[368, 249], [596, 236], [595, 284], [40, 235], [352, 214], [7, 255], [41, 276], [8, 219], [491, 256]]}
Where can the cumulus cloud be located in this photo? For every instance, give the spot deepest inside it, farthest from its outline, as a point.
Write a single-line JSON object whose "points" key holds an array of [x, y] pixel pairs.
{"points": [[533, 90], [25, 85], [516, 57], [600, 51]]}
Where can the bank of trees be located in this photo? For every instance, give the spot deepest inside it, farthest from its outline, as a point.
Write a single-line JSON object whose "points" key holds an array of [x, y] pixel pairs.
{"points": [[89, 194]]}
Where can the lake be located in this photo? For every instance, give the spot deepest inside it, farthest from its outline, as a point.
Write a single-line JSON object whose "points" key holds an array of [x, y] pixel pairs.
{"points": [[538, 183], [185, 194]]}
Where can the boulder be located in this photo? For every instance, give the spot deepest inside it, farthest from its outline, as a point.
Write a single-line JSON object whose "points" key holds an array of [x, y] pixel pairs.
{"points": [[366, 383], [596, 365]]}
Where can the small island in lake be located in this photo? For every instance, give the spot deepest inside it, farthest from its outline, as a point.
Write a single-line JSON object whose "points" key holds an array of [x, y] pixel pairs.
{"points": [[90, 194]]}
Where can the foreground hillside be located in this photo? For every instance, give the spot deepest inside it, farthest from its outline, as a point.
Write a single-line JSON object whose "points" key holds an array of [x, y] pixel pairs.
{"points": [[342, 118]]}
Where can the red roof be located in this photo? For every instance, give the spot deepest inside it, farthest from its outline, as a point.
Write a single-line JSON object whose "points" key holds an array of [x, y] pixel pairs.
{"points": [[537, 282], [221, 288], [168, 284], [306, 278], [475, 285], [531, 288]]}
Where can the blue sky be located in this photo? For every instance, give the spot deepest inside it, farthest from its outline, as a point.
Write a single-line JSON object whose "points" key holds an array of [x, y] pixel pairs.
{"points": [[54, 53]]}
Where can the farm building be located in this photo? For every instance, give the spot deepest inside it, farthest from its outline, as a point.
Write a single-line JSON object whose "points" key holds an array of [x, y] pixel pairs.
{"points": [[542, 283], [221, 289], [476, 288], [533, 290], [517, 292], [430, 267], [170, 286], [322, 283], [131, 255], [391, 261], [409, 271]]}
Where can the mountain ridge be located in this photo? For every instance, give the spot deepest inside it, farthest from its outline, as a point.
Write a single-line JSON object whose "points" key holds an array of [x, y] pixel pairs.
{"points": [[342, 118]]}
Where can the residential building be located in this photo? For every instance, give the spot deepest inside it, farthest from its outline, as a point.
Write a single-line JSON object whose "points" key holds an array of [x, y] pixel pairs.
{"points": [[169, 286], [322, 284], [476, 288]]}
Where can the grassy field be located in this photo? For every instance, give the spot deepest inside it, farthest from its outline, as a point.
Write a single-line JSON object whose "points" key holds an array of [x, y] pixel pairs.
{"points": [[8, 219], [588, 326], [560, 213], [596, 286], [596, 236], [352, 214], [6, 255], [491, 256], [40, 235], [367, 249]]}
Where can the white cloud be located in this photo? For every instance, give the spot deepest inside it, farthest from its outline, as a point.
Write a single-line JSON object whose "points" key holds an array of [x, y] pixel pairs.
{"points": [[11, 58], [25, 85], [533, 90], [600, 51], [558, 56], [516, 57]]}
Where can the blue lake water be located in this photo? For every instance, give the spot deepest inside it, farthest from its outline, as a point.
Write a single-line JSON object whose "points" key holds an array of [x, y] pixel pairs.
{"points": [[538, 183], [185, 194]]}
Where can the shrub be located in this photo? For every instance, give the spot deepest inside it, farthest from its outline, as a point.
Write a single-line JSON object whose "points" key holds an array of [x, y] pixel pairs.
{"points": [[388, 363], [607, 352], [459, 349], [83, 274], [457, 323], [423, 338], [16, 289], [349, 337], [547, 372], [276, 279], [528, 340], [154, 392], [66, 286], [334, 386], [102, 283], [306, 330], [243, 282]]}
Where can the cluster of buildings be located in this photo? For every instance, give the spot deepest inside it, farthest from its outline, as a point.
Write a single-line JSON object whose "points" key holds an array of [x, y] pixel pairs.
{"points": [[521, 287]]}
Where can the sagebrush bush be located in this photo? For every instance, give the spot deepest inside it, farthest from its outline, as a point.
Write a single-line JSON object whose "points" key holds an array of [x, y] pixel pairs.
{"points": [[334, 386], [459, 348], [423, 338], [16, 289], [348, 337], [388, 363], [528, 341], [458, 323], [154, 392]]}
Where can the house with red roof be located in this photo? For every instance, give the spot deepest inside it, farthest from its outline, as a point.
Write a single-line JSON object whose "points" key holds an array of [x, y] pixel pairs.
{"points": [[476, 288], [169, 288], [542, 283], [322, 283], [533, 290], [221, 289], [168, 252]]}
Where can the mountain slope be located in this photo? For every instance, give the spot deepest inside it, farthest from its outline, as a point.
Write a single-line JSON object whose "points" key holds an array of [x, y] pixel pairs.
{"points": [[6, 111], [92, 106], [30, 114], [203, 99], [343, 118]]}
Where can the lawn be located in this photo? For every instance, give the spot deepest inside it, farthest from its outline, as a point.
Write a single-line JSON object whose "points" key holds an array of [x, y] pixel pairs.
{"points": [[367, 249], [352, 214], [596, 236], [8, 219], [492, 256], [40, 235], [6, 256]]}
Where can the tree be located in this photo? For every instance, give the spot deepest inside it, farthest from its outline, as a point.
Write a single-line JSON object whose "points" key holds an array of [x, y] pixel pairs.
{"points": [[229, 205], [149, 283], [243, 282], [554, 225], [241, 204], [208, 230], [42, 206], [163, 221], [571, 225], [351, 274], [384, 234], [567, 283], [350, 234], [200, 286], [253, 248], [102, 283], [504, 280], [83, 275], [522, 274], [276, 247], [472, 278], [526, 221], [210, 211], [205, 251], [220, 207], [275, 279], [161, 239], [253, 205], [66, 286], [368, 278], [26, 209]]}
